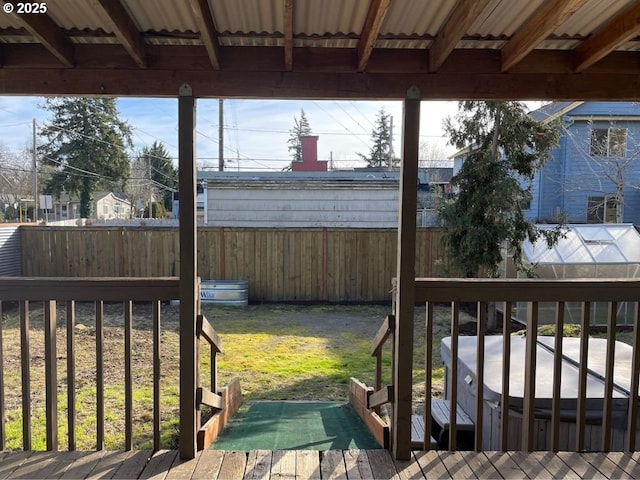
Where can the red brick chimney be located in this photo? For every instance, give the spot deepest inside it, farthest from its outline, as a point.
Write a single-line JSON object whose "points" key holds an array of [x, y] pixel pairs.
{"points": [[309, 161]]}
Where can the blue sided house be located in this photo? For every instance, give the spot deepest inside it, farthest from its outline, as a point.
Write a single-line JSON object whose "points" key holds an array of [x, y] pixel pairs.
{"points": [[593, 176]]}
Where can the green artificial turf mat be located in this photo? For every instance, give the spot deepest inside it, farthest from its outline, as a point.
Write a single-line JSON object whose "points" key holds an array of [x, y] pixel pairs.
{"points": [[270, 425]]}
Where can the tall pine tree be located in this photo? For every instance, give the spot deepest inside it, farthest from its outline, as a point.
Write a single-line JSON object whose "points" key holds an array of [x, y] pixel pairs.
{"points": [[301, 128], [381, 154], [85, 148], [506, 148]]}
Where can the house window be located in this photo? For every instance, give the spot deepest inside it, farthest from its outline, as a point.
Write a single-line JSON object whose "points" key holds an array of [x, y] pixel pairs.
{"points": [[608, 142], [602, 209]]}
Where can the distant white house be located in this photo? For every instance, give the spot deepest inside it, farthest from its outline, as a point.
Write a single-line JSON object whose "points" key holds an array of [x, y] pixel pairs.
{"points": [[105, 206]]}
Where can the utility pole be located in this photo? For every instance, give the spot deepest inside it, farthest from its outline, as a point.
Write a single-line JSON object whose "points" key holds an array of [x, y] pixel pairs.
{"points": [[150, 189], [35, 175], [221, 135], [391, 143]]}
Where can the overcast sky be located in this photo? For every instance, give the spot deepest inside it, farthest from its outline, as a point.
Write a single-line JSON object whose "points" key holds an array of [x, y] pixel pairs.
{"points": [[256, 131]]}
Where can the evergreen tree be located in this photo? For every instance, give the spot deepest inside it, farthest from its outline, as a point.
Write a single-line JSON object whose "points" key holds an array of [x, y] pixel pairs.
{"points": [[506, 148], [301, 128], [381, 154], [164, 176], [85, 147]]}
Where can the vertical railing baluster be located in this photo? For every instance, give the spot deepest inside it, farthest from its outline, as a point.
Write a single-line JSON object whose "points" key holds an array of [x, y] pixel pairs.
{"points": [[528, 430], [428, 372], [607, 407], [453, 384], [214, 368], [582, 377], [632, 423], [634, 383], [377, 381], [557, 377], [71, 373], [128, 377], [506, 369], [481, 330], [26, 374], [99, 375], [3, 431], [51, 375], [156, 375]]}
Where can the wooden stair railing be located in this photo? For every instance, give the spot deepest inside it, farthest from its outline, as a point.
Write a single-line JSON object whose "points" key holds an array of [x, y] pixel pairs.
{"points": [[366, 400], [206, 396], [225, 400], [381, 395]]}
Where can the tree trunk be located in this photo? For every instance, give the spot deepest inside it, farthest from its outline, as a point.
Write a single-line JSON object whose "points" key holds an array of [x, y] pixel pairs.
{"points": [[85, 200]]}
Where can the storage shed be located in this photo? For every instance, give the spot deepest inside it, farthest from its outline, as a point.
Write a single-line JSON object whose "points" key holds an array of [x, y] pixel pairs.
{"points": [[585, 251]]}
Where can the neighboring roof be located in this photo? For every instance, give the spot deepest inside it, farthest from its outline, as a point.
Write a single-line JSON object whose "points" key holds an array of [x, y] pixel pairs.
{"points": [[364, 175], [586, 110], [97, 196], [450, 49], [552, 111], [588, 244]]}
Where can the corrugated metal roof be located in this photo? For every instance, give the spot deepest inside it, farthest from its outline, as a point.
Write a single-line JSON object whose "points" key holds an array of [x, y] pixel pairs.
{"points": [[591, 15], [512, 13], [161, 15], [248, 15], [78, 14], [8, 21], [314, 17], [407, 24], [409, 17]]}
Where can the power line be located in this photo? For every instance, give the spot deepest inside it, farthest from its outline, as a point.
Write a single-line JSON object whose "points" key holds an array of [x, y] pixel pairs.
{"points": [[339, 123], [349, 115]]}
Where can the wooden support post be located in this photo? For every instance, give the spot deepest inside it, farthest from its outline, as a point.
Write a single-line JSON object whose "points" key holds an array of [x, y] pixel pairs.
{"points": [[405, 300], [189, 421]]}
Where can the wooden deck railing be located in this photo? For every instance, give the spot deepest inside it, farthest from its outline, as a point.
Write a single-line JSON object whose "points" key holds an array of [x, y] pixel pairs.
{"points": [[573, 401], [53, 291]]}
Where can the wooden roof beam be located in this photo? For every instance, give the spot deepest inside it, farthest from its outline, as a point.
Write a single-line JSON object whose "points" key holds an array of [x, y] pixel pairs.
{"points": [[536, 28], [49, 34], [124, 28], [461, 18], [617, 31], [208, 33], [377, 11], [288, 35]]}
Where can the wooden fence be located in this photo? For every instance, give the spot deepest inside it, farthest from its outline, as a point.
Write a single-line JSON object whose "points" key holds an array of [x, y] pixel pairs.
{"points": [[306, 264]]}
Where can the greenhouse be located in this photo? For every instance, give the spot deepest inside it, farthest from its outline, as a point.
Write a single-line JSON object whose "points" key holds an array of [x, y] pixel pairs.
{"points": [[586, 251]]}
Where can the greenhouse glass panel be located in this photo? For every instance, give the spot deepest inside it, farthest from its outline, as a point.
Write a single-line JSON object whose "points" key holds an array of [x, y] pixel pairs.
{"points": [[586, 251]]}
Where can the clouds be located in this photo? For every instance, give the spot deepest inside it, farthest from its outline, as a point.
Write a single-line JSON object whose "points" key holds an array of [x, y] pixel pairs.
{"points": [[255, 131]]}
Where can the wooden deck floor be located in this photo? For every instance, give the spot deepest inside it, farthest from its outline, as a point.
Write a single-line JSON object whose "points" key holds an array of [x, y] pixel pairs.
{"points": [[307, 464]]}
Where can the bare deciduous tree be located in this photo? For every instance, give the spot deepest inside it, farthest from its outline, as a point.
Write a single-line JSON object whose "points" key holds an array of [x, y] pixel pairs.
{"points": [[612, 166], [16, 178]]}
